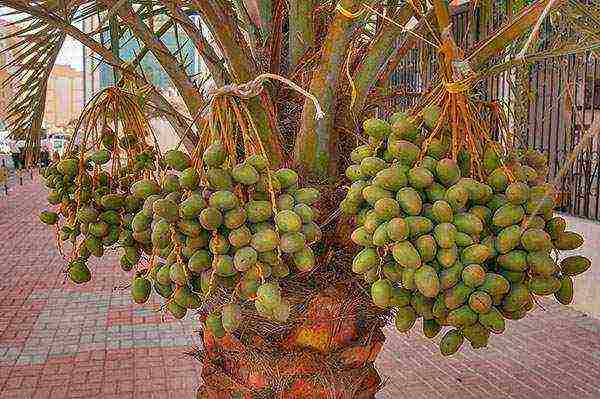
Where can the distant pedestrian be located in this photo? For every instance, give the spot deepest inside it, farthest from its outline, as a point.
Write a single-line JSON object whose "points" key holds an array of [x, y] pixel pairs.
{"points": [[44, 158], [21, 146], [22, 158], [14, 154]]}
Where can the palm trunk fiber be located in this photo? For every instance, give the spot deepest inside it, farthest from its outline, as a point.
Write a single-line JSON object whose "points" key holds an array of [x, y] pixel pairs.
{"points": [[326, 349]]}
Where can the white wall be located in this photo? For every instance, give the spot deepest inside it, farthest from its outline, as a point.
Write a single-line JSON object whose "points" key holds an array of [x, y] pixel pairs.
{"points": [[587, 285]]}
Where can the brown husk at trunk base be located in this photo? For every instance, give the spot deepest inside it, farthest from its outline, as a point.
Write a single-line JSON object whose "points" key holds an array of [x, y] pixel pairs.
{"points": [[326, 349]]}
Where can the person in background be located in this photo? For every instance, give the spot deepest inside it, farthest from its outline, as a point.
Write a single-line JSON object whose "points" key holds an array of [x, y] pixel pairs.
{"points": [[44, 158], [22, 153], [22, 159], [14, 153]]}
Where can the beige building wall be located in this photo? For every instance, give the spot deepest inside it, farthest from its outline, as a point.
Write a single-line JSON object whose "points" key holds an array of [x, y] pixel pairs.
{"points": [[64, 96], [587, 285], [166, 136], [6, 91]]}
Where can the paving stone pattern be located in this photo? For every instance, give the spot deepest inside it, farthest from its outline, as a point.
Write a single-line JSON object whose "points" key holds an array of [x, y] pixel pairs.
{"points": [[58, 340], [551, 354]]}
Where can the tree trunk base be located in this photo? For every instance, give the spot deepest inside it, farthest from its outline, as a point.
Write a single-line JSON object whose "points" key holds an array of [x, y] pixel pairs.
{"points": [[326, 351]]}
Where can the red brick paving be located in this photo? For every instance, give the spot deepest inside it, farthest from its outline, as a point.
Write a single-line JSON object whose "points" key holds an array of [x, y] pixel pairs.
{"points": [[61, 341], [58, 340]]}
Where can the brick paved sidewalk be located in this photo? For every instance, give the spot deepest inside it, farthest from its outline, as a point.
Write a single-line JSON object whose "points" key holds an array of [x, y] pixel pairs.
{"points": [[60, 341], [551, 354]]}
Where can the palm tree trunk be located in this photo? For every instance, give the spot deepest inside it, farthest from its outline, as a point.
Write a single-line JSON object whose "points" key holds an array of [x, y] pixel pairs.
{"points": [[223, 25], [316, 145], [326, 351]]}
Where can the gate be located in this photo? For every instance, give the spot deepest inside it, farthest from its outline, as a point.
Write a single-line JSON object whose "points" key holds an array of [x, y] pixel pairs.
{"points": [[563, 103]]}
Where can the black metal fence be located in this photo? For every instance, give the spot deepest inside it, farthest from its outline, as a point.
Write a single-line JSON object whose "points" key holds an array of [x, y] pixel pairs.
{"points": [[562, 103]]}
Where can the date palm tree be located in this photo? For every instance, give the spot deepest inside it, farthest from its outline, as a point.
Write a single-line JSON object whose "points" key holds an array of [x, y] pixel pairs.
{"points": [[344, 53]]}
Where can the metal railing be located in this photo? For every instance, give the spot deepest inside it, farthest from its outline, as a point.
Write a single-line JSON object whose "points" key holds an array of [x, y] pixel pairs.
{"points": [[562, 103]]}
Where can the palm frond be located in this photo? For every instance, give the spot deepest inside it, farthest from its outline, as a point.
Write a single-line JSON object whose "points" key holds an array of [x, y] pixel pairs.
{"points": [[35, 48], [575, 30]]}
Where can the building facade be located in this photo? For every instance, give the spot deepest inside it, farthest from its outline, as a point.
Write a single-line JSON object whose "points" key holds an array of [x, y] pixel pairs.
{"points": [[99, 75], [64, 97]]}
